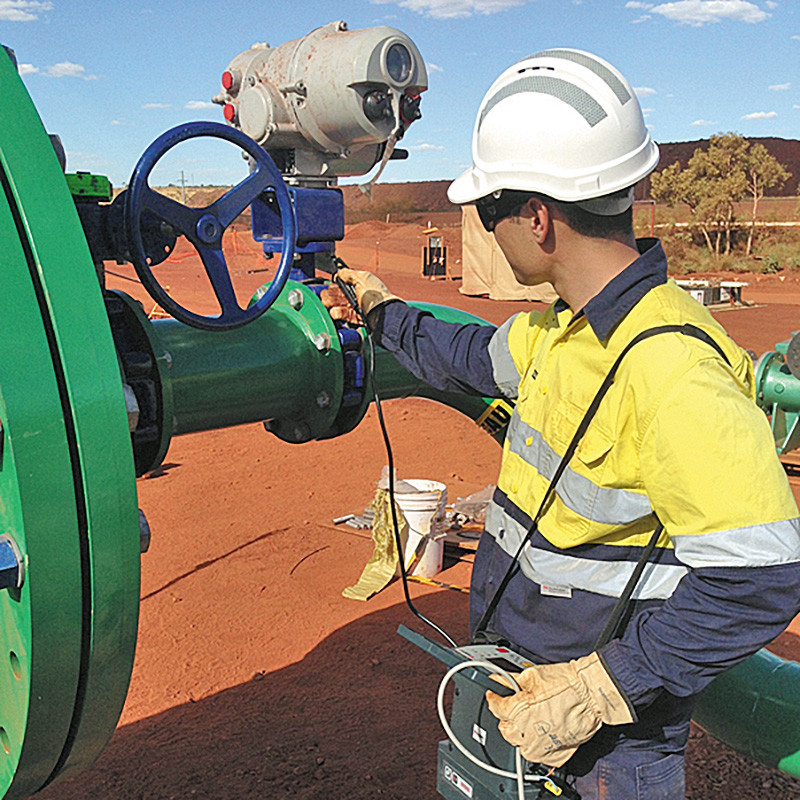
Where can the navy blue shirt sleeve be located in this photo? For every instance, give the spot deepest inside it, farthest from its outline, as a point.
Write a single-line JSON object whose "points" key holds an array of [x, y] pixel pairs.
{"points": [[717, 617], [449, 356]]}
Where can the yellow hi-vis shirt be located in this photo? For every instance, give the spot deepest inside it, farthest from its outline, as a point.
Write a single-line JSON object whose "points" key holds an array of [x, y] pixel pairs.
{"points": [[677, 434]]}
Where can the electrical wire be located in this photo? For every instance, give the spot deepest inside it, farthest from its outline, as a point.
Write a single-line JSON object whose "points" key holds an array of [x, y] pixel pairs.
{"points": [[519, 775], [349, 294]]}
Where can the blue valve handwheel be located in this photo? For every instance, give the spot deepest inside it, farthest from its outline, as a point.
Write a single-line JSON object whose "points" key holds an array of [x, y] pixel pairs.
{"points": [[204, 227]]}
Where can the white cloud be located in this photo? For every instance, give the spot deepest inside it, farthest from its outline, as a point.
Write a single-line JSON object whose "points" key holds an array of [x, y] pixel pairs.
{"points": [[796, 38], [68, 69], [771, 5], [700, 12], [425, 146], [780, 87], [157, 105], [433, 67], [643, 18], [702, 123], [795, 106], [761, 115], [117, 122], [636, 4], [643, 91], [27, 69], [451, 9], [197, 105], [22, 10]]}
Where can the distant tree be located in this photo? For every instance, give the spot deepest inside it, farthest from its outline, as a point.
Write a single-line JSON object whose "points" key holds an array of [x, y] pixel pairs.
{"points": [[716, 178], [763, 172], [720, 169], [674, 185]]}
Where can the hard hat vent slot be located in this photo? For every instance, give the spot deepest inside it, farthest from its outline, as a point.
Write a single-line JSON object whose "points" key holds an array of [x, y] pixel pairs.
{"points": [[563, 90]]}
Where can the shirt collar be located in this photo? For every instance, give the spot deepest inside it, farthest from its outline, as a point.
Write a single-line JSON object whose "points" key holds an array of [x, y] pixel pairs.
{"points": [[605, 310]]}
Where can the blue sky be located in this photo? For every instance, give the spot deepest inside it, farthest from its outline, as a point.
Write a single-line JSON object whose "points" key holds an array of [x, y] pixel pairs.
{"points": [[109, 77]]}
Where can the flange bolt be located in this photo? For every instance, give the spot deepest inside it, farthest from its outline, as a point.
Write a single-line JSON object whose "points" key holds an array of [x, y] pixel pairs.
{"points": [[12, 571], [322, 342], [295, 299]]}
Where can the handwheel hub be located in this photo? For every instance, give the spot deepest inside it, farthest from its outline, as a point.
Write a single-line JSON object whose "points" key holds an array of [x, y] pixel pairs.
{"points": [[208, 229]]}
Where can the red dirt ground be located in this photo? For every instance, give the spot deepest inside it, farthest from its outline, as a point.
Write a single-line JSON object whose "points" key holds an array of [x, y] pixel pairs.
{"points": [[254, 677]]}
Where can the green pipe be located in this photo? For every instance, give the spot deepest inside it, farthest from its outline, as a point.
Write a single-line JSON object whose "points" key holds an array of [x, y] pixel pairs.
{"points": [[287, 364], [755, 709], [395, 381], [776, 384], [223, 378]]}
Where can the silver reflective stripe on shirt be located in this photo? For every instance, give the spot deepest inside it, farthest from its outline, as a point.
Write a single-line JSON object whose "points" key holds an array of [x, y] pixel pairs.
{"points": [[658, 581], [598, 504], [506, 374], [753, 546]]}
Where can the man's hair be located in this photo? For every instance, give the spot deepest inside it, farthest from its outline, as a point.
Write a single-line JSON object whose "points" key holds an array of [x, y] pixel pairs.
{"points": [[618, 226]]}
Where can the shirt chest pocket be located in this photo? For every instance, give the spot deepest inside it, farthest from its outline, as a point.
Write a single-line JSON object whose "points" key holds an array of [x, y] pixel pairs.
{"points": [[594, 447]]}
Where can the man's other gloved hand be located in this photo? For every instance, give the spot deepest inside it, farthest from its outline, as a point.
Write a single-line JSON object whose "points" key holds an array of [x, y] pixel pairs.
{"points": [[559, 707]]}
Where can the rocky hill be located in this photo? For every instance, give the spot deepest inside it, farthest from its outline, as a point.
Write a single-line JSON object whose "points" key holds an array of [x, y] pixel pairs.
{"points": [[404, 200]]}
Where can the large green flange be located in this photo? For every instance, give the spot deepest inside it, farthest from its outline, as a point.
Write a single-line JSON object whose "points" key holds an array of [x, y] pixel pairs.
{"points": [[67, 489]]}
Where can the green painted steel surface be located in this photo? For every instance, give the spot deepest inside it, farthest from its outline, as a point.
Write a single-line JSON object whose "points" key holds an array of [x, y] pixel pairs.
{"points": [[394, 381], [779, 395], [67, 492], [267, 370], [86, 186], [755, 709]]}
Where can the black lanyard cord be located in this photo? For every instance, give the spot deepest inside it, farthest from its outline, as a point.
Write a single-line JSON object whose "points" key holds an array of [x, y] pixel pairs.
{"points": [[613, 624]]}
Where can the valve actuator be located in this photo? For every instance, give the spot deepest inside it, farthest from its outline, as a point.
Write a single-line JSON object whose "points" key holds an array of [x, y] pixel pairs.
{"points": [[328, 104]]}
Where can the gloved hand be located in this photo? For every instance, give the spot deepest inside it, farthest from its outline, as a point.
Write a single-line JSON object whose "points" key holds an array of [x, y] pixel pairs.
{"points": [[370, 289], [559, 707]]}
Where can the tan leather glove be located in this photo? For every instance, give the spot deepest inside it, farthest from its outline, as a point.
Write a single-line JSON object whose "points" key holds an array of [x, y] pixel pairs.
{"points": [[370, 289], [559, 707]]}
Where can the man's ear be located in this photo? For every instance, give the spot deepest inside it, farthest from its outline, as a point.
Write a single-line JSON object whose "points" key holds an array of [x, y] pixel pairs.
{"points": [[540, 219]]}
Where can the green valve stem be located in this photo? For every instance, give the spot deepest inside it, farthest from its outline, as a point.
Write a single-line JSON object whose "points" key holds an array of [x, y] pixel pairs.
{"points": [[12, 572]]}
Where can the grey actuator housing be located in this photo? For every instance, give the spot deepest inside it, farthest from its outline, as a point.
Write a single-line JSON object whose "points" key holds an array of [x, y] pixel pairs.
{"points": [[326, 105]]}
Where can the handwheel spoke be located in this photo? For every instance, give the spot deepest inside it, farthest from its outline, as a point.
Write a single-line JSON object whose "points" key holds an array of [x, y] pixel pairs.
{"points": [[237, 199], [217, 271], [181, 218]]}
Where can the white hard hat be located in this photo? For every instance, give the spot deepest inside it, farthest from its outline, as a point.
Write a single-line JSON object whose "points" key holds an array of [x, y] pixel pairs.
{"points": [[564, 123]]}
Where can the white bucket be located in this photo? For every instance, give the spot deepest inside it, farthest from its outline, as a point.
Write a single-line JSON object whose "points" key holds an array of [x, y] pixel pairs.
{"points": [[424, 511]]}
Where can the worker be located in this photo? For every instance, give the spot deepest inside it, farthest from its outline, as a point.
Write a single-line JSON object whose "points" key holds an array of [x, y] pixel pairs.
{"points": [[677, 441]]}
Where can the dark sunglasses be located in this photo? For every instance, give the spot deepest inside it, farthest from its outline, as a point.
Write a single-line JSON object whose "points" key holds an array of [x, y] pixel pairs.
{"points": [[497, 206]]}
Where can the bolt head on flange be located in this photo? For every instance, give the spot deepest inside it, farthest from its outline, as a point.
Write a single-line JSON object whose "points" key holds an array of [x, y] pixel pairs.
{"points": [[295, 299], [12, 570], [322, 342]]}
